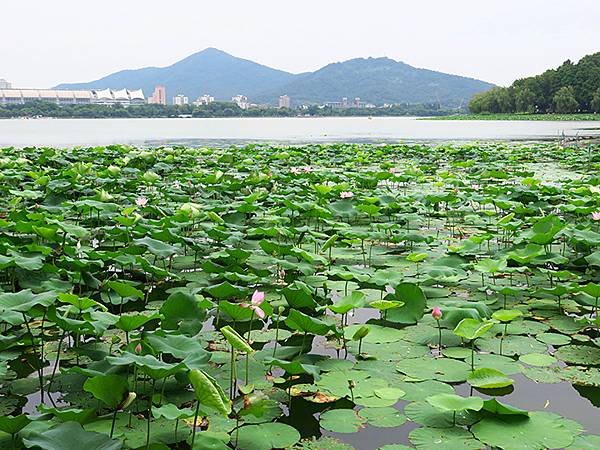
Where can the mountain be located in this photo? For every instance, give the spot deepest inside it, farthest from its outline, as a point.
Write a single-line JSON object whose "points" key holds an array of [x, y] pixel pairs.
{"points": [[374, 80], [379, 80], [210, 71]]}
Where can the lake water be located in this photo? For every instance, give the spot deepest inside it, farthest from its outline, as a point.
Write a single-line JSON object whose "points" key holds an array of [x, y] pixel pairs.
{"points": [[153, 132]]}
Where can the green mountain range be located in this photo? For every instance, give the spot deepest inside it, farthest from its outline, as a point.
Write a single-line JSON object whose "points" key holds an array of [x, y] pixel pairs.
{"points": [[374, 80]]}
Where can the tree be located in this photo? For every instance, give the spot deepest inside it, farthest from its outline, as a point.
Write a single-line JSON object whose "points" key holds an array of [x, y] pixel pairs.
{"points": [[595, 105], [524, 100], [564, 100]]}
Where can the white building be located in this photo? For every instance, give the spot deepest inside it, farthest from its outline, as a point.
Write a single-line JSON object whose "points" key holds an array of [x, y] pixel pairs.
{"points": [[284, 101], [241, 101], [205, 99], [71, 97], [5, 84], [180, 100]]}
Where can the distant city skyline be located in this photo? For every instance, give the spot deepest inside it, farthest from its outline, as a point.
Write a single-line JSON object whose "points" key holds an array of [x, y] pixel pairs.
{"points": [[496, 41]]}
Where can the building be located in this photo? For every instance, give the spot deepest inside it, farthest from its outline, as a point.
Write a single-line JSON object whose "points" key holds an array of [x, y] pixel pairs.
{"points": [[205, 99], [357, 103], [284, 101], [71, 97], [160, 96], [241, 101], [5, 84], [180, 100]]}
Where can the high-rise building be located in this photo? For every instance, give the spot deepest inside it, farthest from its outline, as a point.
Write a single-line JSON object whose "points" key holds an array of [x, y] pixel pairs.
{"points": [[160, 96], [5, 84], [284, 101], [180, 100]]}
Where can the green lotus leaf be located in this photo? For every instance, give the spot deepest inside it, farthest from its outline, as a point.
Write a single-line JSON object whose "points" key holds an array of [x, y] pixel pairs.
{"points": [[70, 436], [488, 378], [452, 402], [341, 420], [538, 430]]}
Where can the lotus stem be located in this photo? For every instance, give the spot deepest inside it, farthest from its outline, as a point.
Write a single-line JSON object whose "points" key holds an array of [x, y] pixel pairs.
{"points": [[195, 424]]}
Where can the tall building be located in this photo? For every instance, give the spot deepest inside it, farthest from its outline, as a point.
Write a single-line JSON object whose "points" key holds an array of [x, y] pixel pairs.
{"points": [[180, 100], [284, 101], [205, 99], [160, 96], [5, 84]]}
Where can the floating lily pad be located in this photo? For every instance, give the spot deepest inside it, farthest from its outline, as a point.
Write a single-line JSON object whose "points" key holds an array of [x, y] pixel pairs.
{"points": [[267, 436], [341, 420], [578, 354], [537, 359], [539, 430], [442, 369], [443, 438], [383, 417]]}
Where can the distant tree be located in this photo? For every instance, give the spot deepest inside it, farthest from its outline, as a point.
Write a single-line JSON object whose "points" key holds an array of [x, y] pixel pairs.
{"points": [[595, 104], [564, 100], [524, 100]]}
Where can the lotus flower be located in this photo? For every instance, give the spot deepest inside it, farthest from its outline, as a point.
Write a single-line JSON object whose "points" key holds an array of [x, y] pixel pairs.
{"points": [[392, 170], [436, 313], [141, 201], [596, 215], [346, 194], [257, 298], [295, 170], [390, 289], [307, 169]]}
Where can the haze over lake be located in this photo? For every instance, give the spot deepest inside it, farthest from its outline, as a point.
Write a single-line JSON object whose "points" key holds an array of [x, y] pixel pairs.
{"points": [[154, 132]]}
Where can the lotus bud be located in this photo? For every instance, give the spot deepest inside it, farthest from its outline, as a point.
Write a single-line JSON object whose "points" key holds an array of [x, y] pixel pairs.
{"points": [[138, 348], [128, 400], [436, 313]]}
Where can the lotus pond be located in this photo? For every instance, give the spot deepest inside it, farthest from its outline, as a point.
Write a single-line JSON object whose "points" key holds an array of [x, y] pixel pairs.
{"points": [[309, 297]]}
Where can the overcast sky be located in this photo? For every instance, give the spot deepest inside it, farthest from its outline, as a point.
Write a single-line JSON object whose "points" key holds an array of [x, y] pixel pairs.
{"points": [[43, 43]]}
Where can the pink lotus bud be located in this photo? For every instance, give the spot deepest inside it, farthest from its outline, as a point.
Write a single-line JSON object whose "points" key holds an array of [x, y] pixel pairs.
{"points": [[258, 297], [436, 313], [138, 348]]}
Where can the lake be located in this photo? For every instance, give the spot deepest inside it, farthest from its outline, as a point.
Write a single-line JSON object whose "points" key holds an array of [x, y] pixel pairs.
{"points": [[225, 131]]}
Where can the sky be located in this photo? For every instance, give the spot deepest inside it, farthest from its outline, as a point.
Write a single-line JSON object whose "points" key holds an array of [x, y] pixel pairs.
{"points": [[44, 43]]}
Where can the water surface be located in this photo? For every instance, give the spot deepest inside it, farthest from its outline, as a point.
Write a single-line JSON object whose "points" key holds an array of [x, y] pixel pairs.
{"points": [[226, 131]]}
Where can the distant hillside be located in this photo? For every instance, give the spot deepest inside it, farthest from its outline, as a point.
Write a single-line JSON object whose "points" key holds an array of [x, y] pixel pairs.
{"points": [[374, 80], [210, 71], [570, 88], [379, 80]]}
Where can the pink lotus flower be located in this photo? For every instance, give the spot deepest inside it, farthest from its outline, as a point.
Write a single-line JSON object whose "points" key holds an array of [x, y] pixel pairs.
{"points": [[141, 201], [257, 298], [307, 169], [436, 313], [346, 194], [596, 215], [392, 170], [390, 289]]}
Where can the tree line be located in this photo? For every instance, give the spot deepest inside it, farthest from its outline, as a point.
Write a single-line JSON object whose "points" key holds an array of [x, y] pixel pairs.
{"points": [[571, 88], [215, 109]]}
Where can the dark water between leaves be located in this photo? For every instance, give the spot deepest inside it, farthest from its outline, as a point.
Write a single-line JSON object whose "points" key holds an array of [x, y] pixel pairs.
{"points": [[580, 404]]}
